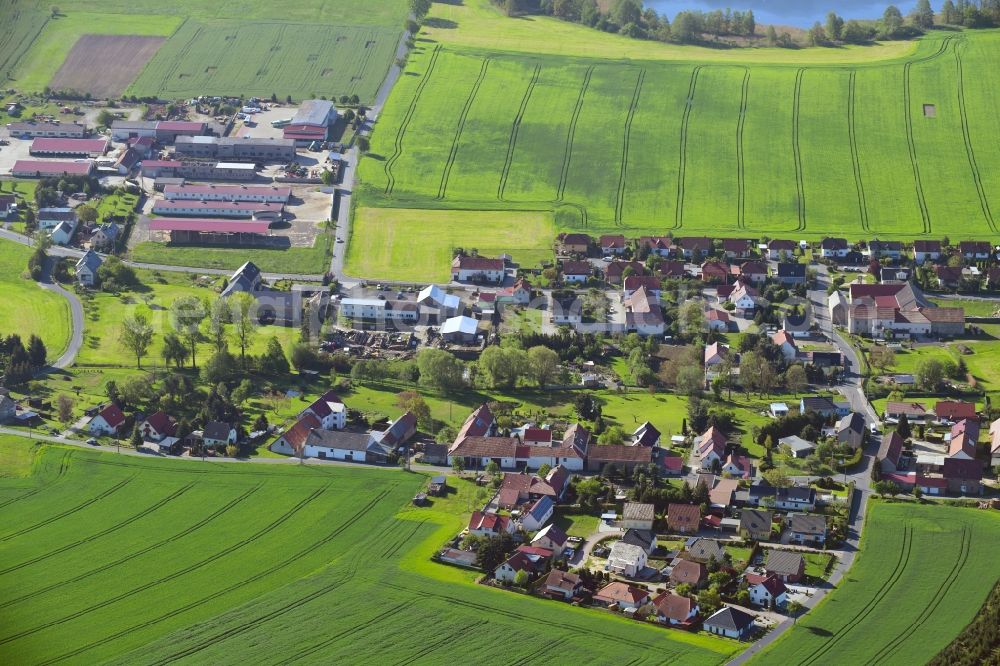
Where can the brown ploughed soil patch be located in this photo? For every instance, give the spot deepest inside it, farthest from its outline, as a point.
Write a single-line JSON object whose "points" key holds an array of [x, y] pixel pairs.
{"points": [[105, 65]]}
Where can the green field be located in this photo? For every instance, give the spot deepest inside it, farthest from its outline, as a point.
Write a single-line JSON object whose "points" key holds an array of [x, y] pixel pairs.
{"points": [[132, 560], [385, 241], [921, 576], [314, 48], [27, 308], [313, 260], [650, 147], [264, 58]]}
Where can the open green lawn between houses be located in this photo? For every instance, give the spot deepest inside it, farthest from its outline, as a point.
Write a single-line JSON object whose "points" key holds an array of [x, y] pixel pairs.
{"points": [[921, 575], [132, 560], [313, 260], [28, 309], [639, 147]]}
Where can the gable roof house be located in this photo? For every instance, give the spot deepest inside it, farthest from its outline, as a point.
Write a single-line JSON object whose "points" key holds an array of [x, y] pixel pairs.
{"points": [[975, 250], [768, 593], [926, 250], [626, 597], [344, 445], [778, 249], [834, 248], [672, 269], [651, 283], [822, 405], [485, 524], [915, 412], [646, 435], [626, 559], [575, 243], [691, 245], [538, 514], [850, 430], [683, 518], [105, 236], [107, 421], [805, 528], [466, 268], [948, 277], [614, 272], [157, 426], [952, 411], [791, 274], [86, 268], [964, 477], [218, 433], [752, 271], [788, 566], [293, 440], [737, 248], [675, 609], [552, 537], [661, 246], [795, 498], [526, 558], [711, 447], [746, 299], [891, 249], [714, 272], [645, 539], [562, 585], [786, 343], [612, 244], [636, 515], [576, 271], [330, 410], [690, 572], [705, 550], [755, 524], [643, 314], [890, 451]]}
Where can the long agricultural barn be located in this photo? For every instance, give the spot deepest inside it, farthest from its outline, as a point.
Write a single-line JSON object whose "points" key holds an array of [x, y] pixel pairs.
{"points": [[68, 147], [243, 209], [311, 122], [56, 130], [199, 170], [164, 131], [235, 148], [195, 231], [122, 130], [262, 193], [53, 169]]}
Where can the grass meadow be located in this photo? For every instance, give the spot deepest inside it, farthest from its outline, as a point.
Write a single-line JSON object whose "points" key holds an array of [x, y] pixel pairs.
{"points": [[313, 260], [132, 560], [385, 241], [710, 147], [27, 308], [921, 575]]}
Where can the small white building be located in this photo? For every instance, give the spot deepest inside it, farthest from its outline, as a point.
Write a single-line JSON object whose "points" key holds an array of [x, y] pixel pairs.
{"points": [[626, 559], [769, 593]]}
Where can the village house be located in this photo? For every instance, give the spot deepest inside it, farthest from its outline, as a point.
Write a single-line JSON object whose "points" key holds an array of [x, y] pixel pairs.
{"points": [[675, 609], [638, 516], [806, 529], [86, 268], [739, 466], [551, 537], [834, 248], [714, 272], [330, 410], [626, 559], [689, 572], [769, 592], [625, 597], [661, 246], [651, 283], [622, 456], [789, 567], [717, 320], [952, 411], [645, 539], [575, 243], [485, 524], [538, 514], [755, 524], [878, 249], [218, 434], [614, 272], [692, 246], [800, 448], [890, 452], [612, 244], [731, 623], [157, 426], [879, 310], [781, 249], [646, 435], [850, 430], [466, 268], [105, 236], [519, 293], [975, 250], [722, 495], [683, 518], [576, 272], [530, 559], [643, 314], [8, 408], [737, 248], [107, 421], [562, 585], [786, 343], [926, 250], [795, 498], [754, 272], [704, 551], [823, 406], [746, 300], [791, 274], [915, 412], [711, 448], [345, 446], [672, 269]]}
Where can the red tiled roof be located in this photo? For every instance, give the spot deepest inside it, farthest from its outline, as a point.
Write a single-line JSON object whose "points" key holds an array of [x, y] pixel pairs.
{"points": [[688, 571], [621, 453], [180, 125], [82, 146], [56, 167], [955, 410], [489, 522], [673, 606], [162, 423], [477, 263], [612, 241], [296, 435], [619, 592], [683, 514], [633, 282], [112, 415]]}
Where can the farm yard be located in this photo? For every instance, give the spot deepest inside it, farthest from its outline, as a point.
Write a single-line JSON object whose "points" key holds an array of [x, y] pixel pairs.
{"points": [[636, 148], [104, 65], [265, 58], [921, 576], [132, 560]]}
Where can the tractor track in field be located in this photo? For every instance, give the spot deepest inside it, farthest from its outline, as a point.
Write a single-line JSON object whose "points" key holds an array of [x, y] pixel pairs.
{"points": [[918, 186], [984, 202], [131, 556], [462, 118], [626, 139], [529, 658], [465, 630], [394, 548], [273, 525], [312, 649], [859, 183], [97, 535], [515, 130], [797, 149], [63, 468], [397, 152], [242, 628], [68, 512], [682, 159], [956, 569], [897, 572], [571, 134], [187, 471], [741, 221]]}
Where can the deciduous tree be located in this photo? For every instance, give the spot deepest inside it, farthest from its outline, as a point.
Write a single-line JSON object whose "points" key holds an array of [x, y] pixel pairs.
{"points": [[136, 335]]}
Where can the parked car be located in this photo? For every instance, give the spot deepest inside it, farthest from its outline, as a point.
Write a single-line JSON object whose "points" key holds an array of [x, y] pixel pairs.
{"points": [[92, 441]]}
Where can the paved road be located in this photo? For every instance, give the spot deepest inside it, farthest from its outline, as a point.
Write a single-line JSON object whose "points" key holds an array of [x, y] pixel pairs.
{"points": [[852, 389], [76, 319]]}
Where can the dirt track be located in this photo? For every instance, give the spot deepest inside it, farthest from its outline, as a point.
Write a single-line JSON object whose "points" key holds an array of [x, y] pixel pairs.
{"points": [[105, 65]]}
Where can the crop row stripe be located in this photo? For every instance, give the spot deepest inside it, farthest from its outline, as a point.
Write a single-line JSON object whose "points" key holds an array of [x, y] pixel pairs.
{"points": [[682, 158], [626, 138], [446, 174], [515, 130]]}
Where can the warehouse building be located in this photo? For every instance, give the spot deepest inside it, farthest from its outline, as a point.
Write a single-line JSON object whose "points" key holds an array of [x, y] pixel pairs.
{"points": [[31, 130], [49, 147], [244, 209], [260, 193], [311, 122], [168, 131], [198, 170], [52, 169], [123, 130], [258, 149]]}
